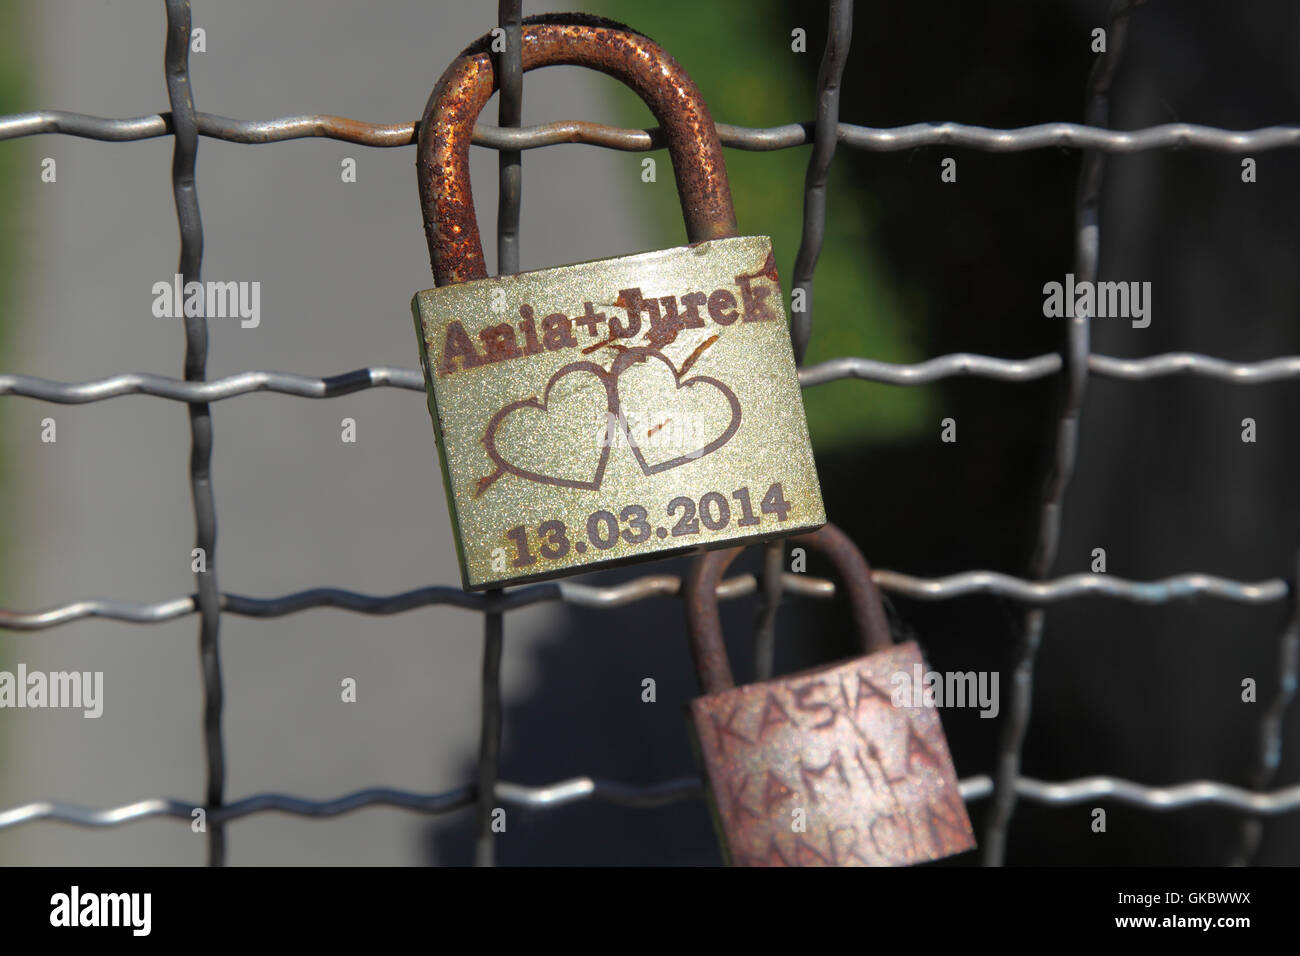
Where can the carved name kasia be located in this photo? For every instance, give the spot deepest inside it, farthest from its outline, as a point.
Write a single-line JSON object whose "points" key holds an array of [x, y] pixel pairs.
{"points": [[664, 316], [826, 769]]}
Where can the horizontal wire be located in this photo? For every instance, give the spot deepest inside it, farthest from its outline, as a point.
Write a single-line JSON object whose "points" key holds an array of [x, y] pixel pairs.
{"points": [[242, 383], [918, 373], [1195, 793], [1070, 135], [581, 595], [667, 585], [1189, 363], [1043, 366], [604, 791], [579, 789], [94, 607], [912, 136], [1177, 587]]}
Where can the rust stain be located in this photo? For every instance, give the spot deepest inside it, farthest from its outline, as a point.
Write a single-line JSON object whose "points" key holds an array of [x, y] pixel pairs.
{"points": [[664, 335], [695, 356], [442, 157], [605, 343]]}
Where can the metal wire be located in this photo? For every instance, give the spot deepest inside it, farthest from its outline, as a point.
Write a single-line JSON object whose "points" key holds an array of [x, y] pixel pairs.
{"points": [[1180, 796], [1075, 359], [180, 96], [489, 750], [581, 789], [1269, 759], [510, 114], [771, 589], [964, 584], [510, 77], [839, 34], [749, 138], [185, 124], [960, 364]]}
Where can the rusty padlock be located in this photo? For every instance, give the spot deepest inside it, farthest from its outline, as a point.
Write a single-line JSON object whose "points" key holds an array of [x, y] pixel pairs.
{"points": [[609, 411], [822, 767]]}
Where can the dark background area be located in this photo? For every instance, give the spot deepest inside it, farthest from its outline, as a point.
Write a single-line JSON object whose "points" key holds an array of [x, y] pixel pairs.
{"points": [[1164, 482]]}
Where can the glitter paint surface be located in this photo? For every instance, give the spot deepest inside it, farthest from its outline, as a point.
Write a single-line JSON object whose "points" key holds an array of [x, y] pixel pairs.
{"points": [[665, 418]]}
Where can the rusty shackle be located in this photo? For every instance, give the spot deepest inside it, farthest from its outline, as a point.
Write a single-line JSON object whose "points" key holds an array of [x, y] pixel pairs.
{"points": [[442, 157], [705, 625]]}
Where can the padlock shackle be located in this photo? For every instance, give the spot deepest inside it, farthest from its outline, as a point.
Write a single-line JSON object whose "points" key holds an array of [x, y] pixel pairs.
{"points": [[442, 158], [705, 624]]}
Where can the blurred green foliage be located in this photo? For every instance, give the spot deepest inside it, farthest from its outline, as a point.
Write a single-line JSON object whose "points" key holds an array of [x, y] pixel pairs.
{"points": [[741, 58]]}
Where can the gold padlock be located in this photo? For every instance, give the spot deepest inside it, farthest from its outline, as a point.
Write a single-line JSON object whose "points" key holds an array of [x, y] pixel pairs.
{"points": [[609, 411], [824, 767]]}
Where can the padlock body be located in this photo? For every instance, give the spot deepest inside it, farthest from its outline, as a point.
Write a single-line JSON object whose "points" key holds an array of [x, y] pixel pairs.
{"points": [[832, 767], [619, 410]]}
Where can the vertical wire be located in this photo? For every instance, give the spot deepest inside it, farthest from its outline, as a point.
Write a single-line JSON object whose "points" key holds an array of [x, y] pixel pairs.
{"points": [[839, 33], [829, 76], [1271, 724], [769, 604], [510, 84], [489, 754], [185, 130], [1088, 241]]}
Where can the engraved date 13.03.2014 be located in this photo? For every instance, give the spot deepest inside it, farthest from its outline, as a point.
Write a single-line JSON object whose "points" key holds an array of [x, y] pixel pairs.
{"points": [[632, 524]]}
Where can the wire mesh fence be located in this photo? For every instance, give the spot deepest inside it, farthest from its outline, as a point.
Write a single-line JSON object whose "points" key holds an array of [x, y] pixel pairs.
{"points": [[1072, 367]]}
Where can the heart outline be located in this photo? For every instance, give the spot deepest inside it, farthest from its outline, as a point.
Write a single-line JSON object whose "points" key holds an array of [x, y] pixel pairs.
{"points": [[505, 467], [727, 434], [609, 380]]}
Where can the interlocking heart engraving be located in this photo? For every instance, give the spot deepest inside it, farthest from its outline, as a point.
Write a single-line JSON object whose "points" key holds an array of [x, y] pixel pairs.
{"points": [[628, 358]]}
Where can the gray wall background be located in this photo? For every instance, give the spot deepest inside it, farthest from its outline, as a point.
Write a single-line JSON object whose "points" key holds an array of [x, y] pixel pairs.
{"points": [[106, 511]]}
